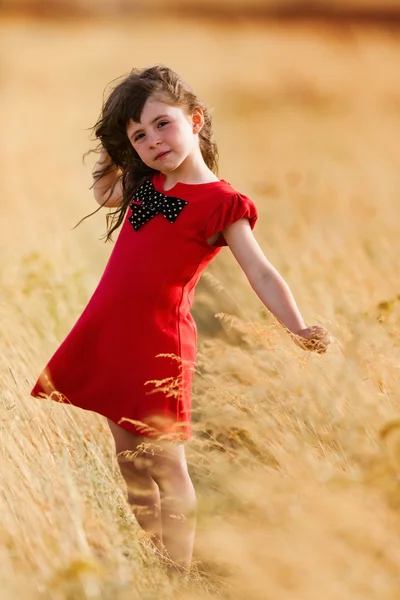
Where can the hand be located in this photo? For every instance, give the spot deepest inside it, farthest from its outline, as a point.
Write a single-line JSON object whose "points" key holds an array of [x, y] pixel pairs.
{"points": [[103, 161], [104, 158], [314, 339]]}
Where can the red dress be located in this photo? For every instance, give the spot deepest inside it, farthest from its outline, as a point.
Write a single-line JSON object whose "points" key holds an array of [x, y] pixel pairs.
{"points": [[131, 355]]}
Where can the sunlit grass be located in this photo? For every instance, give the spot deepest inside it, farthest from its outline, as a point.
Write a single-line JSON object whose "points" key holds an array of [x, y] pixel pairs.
{"points": [[295, 457]]}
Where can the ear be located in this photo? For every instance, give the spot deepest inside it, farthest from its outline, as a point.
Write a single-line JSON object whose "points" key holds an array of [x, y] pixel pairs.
{"points": [[197, 119]]}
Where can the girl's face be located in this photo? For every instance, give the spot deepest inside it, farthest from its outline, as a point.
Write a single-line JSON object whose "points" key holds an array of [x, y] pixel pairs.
{"points": [[165, 136]]}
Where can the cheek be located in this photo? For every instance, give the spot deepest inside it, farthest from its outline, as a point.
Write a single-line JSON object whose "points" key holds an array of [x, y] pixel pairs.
{"points": [[183, 136], [140, 150]]}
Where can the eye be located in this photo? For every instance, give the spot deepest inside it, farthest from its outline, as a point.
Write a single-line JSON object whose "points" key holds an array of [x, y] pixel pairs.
{"points": [[162, 123], [138, 137]]}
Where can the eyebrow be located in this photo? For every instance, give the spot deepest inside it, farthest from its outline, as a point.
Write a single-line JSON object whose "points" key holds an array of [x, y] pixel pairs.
{"points": [[151, 122]]}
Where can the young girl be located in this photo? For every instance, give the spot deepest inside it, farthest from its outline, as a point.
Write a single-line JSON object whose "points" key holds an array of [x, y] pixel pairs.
{"points": [[131, 354]]}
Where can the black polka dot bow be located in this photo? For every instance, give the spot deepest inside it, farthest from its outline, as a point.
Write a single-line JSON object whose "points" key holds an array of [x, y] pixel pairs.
{"points": [[148, 203]]}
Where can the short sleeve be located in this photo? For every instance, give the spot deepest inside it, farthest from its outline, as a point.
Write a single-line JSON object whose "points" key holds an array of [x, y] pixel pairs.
{"points": [[234, 207]]}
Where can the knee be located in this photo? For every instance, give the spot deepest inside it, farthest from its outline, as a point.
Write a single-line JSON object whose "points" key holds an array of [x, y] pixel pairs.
{"points": [[174, 482]]}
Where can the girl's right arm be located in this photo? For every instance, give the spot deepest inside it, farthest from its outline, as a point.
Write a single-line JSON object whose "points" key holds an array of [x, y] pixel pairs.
{"points": [[107, 189]]}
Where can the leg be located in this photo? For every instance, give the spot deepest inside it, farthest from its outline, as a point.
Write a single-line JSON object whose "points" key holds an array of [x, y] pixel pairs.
{"points": [[143, 492], [178, 501]]}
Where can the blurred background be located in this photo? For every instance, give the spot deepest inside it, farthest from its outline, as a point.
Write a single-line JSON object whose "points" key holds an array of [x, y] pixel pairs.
{"points": [[295, 458], [362, 9]]}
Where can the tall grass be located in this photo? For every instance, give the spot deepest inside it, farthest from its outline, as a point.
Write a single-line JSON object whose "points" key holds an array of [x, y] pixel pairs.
{"points": [[295, 457]]}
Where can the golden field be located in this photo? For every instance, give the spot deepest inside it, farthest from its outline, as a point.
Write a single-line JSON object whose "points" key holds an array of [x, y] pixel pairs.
{"points": [[296, 457]]}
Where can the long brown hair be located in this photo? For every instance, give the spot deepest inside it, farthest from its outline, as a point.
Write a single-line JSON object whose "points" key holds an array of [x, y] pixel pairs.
{"points": [[125, 102]]}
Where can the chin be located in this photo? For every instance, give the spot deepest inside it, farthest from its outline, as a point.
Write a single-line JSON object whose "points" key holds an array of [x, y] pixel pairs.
{"points": [[169, 169]]}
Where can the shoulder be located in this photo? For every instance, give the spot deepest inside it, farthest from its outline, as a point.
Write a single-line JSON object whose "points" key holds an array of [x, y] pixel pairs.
{"points": [[227, 189], [226, 197], [229, 198], [231, 207]]}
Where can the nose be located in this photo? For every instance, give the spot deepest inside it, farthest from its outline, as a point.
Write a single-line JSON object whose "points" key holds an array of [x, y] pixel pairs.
{"points": [[154, 140]]}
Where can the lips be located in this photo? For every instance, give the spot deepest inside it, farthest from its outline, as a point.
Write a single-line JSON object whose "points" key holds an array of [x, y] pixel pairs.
{"points": [[162, 154]]}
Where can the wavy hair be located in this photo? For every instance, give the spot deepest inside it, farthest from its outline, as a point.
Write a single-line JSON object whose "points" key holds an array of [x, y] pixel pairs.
{"points": [[126, 102]]}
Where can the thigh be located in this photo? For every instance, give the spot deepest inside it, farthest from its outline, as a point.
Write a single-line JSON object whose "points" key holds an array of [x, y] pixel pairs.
{"points": [[133, 452], [169, 461], [125, 441], [160, 458]]}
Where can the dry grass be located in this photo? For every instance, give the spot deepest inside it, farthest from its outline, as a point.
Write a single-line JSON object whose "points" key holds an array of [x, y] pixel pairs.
{"points": [[296, 457]]}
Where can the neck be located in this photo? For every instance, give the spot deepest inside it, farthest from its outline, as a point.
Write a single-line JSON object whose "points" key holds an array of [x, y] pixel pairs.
{"points": [[192, 170]]}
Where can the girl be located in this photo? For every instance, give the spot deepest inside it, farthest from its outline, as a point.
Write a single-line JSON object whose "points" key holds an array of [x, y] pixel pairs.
{"points": [[131, 354]]}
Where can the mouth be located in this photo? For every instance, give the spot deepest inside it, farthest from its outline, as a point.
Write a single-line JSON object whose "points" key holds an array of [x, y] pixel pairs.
{"points": [[162, 155]]}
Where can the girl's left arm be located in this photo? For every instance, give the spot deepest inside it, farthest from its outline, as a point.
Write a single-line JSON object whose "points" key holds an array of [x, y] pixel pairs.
{"points": [[271, 288]]}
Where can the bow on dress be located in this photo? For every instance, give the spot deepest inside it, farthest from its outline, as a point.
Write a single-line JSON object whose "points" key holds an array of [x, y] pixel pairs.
{"points": [[148, 203]]}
